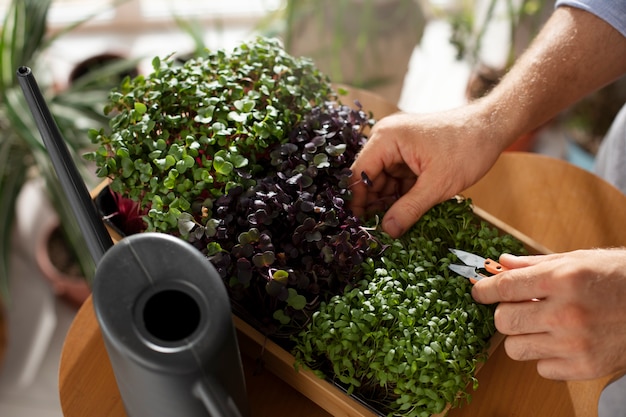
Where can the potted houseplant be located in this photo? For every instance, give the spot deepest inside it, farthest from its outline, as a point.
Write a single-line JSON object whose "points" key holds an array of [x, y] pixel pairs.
{"points": [[362, 43], [246, 155], [23, 41], [471, 21]]}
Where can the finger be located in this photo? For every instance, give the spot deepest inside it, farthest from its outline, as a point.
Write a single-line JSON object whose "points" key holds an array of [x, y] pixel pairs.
{"points": [[369, 164], [553, 356], [521, 318], [378, 196], [567, 369], [514, 262], [560, 369], [373, 158], [514, 285], [529, 347], [361, 185], [359, 198]]}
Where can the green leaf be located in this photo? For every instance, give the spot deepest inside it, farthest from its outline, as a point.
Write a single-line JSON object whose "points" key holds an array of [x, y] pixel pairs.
{"points": [[186, 223], [239, 161], [244, 106], [237, 117], [140, 108], [156, 63], [281, 317], [321, 161], [222, 166], [281, 276], [296, 300], [170, 181], [128, 167]]}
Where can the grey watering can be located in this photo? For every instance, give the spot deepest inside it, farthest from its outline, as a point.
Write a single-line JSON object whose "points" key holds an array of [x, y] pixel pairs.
{"points": [[166, 321], [162, 307]]}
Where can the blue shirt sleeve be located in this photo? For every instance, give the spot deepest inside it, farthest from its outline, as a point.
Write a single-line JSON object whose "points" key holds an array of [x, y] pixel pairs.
{"points": [[611, 11]]}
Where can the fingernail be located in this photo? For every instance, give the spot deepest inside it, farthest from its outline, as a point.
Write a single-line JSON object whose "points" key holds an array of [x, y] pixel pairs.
{"points": [[392, 227], [475, 294], [507, 257]]}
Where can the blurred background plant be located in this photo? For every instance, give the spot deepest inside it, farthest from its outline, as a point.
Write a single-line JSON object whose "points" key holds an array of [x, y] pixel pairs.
{"points": [[471, 24], [362, 43], [471, 19], [23, 40], [586, 122]]}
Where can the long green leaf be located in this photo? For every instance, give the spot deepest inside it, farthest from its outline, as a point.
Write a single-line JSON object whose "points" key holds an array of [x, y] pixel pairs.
{"points": [[22, 36], [12, 179], [22, 31], [22, 41]]}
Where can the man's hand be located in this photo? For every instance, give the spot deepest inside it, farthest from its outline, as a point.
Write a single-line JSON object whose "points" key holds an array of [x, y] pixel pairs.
{"points": [[568, 311], [416, 161], [420, 160]]}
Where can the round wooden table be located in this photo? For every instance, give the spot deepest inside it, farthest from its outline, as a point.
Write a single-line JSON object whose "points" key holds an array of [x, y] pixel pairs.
{"points": [[87, 385], [522, 190]]}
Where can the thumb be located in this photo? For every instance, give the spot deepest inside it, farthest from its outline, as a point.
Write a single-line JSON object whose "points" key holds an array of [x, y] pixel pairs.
{"points": [[408, 209]]}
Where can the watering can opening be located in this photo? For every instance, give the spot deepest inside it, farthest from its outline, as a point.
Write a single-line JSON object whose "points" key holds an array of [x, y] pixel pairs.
{"points": [[171, 315]]}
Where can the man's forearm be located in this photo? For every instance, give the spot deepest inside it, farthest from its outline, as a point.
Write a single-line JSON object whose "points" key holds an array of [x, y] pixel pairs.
{"points": [[575, 54]]}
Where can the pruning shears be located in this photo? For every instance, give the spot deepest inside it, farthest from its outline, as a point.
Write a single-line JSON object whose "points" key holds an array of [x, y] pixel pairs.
{"points": [[474, 265]]}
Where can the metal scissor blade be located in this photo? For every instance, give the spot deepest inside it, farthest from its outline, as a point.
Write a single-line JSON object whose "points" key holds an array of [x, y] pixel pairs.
{"points": [[466, 271], [469, 258]]}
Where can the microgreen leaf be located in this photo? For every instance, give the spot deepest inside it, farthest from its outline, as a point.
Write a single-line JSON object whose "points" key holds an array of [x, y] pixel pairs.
{"points": [[140, 108]]}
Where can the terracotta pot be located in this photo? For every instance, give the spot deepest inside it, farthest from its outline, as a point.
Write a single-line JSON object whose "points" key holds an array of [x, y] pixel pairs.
{"points": [[54, 259]]}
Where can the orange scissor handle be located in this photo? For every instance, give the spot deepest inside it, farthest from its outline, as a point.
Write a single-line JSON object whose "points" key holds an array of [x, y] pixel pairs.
{"points": [[494, 267]]}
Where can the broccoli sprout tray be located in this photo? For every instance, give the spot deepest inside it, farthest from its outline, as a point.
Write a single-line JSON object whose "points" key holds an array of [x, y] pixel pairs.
{"points": [[325, 393]]}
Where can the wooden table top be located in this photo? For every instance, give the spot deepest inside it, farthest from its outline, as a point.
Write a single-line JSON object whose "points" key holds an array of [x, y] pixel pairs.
{"points": [[87, 385]]}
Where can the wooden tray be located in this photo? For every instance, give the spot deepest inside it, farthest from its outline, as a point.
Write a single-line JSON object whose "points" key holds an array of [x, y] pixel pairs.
{"points": [[323, 393], [87, 386], [280, 362]]}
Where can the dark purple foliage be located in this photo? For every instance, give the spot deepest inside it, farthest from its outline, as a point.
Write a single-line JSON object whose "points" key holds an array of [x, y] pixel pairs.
{"points": [[295, 220]]}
